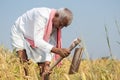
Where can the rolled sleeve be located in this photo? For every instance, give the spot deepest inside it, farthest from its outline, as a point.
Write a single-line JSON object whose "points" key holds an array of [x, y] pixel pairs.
{"points": [[44, 46], [49, 48]]}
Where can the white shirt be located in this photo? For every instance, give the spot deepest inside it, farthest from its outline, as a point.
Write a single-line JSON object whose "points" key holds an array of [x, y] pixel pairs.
{"points": [[32, 25]]}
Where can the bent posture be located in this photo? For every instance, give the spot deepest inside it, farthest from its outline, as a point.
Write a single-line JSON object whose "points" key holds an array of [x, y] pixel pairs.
{"points": [[36, 35]]}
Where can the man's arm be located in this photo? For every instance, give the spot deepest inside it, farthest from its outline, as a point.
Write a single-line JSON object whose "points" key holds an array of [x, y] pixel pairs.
{"points": [[63, 52], [39, 28]]}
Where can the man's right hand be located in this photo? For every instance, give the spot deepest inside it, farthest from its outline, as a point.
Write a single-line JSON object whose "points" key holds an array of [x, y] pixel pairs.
{"points": [[63, 52]]}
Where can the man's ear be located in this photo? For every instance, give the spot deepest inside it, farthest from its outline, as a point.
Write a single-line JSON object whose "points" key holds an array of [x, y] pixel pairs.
{"points": [[56, 15]]}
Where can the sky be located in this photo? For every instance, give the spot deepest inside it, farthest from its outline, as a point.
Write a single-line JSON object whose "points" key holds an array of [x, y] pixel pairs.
{"points": [[90, 18]]}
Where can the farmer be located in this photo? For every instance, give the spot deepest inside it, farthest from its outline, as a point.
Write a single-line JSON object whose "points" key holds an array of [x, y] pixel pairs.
{"points": [[36, 35]]}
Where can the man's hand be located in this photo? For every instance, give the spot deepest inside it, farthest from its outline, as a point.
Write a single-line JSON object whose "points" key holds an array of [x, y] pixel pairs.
{"points": [[63, 52]]}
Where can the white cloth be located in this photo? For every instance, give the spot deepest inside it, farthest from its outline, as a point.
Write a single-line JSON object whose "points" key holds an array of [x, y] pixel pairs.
{"points": [[31, 25]]}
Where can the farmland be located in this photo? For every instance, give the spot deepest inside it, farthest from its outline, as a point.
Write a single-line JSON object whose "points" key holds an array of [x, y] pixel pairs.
{"points": [[99, 69]]}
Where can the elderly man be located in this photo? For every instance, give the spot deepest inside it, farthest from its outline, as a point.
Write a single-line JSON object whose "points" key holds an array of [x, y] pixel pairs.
{"points": [[36, 35]]}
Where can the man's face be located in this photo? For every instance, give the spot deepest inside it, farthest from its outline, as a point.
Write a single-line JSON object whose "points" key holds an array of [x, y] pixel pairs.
{"points": [[59, 23]]}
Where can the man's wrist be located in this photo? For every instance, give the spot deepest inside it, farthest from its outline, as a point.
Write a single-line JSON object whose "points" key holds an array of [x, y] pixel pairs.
{"points": [[54, 50]]}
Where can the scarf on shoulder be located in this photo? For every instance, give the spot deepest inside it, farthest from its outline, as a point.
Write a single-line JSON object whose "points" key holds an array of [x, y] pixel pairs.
{"points": [[48, 31]]}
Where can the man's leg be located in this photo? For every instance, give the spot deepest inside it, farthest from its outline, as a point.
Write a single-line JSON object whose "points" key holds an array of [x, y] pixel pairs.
{"points": [[23, 58], [41, 67], [44, 70], [22, 55]]}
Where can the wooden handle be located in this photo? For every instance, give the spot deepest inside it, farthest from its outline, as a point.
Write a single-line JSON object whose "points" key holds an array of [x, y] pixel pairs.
{"points": [[72, 46]]}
